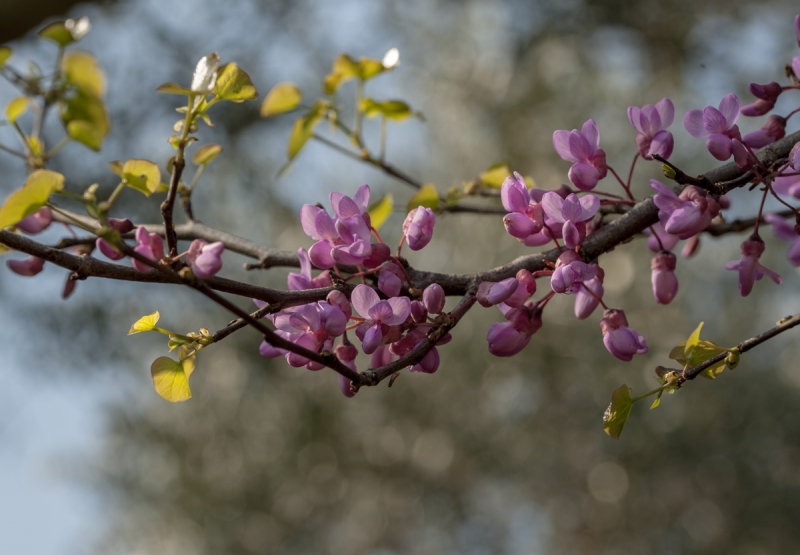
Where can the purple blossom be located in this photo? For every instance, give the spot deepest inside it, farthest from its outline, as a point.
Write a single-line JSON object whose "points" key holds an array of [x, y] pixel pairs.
{"points": [[304, 280], [750, 269], [205, 258], [378, 315], [418, 312], [28, 267], [772, 130], [491, 293], [766, 96], [583, 149], [620, 340], [585, 302], [665, 284], [570, 272], [572, 212], [525, 217], [36, 222], [510, 337], [685, 215], [433, 298], [390, 279], [651, 123], [150, 246], [787, 232], [718, 127], [655, 234], [418, 227], [123, 225]]}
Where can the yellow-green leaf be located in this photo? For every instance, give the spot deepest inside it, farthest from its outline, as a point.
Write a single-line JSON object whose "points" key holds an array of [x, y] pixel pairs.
{"points": [[145, 323], [205, 154], [58, 33], [173, 88], [380, 211], [86, 108], [16, 108], [695, 351], [171, 377], [495, 175], [304, 128], [392, 109], [85, 133], [5, 54], [344, 68], [426, 196], [84, 71], [234, 84], [142, 175], [369, 68], [618, 411], [33, 195], [281, 98]]}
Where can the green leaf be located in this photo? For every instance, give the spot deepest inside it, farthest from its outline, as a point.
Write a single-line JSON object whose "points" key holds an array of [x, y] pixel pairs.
{"points": [[85, 133], [426, 196], [16, 108], [205, 154], [91, 110], [171, 377], [283, 97], [58, 33], [234, 84], [495, 175], [5, 54], [380, 211], [369, 68], [145, 323], [618, 411], [695, 351], [173, 88], [33, 195], [304, 128], [344, 68], [392, 109], [82, 70], [657, 401], [142, 175]]}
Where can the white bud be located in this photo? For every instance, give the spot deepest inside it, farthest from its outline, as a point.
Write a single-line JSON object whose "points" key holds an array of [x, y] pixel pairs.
{"points": [[205, 74], [391, 58]]}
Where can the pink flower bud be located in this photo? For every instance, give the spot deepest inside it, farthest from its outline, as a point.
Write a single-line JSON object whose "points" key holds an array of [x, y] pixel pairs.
{"points": [[390, 279], [205, 259], [665, 284], [345, 385], [508, 338], [346, 352], [28, 267], [337, 298], [570, 271], [620, 340], [585, 301], [108, 250], [418, 227], [433, 298], [69, 287], [491, 293], [379, 253], [429, 364], [526, 279], [150, 246], [418, 312], [122, 225], [36, 222], [520, 225]]}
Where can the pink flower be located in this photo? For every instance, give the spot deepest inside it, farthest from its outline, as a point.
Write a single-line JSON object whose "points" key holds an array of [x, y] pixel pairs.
{"points": [[510, 337], [28, 267], [766, 95], [750, 269], [665, 284], [433, 298], [772, 130], [150, 246], [570, 272], [572, 212], [660, 240], [205, 258], [620, 340], [685, 215], [108, 250], [304, 280], [390, 279], [379, 315], [786, 231], [583, 148], [418, 227], [586, 302], [718, 127], [36, 222], [651, 123], [491, 293]]}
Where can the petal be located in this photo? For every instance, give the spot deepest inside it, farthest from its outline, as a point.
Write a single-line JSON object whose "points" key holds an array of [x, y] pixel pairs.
{"points": [[666, 111], [571, 235], [714, 121], [364, 298], [513, 198], [634, 114], [729, 107], [380, 312], [308, 218], [552, 205], [361, 198], [580, 147], [561, 144], [590, 204], [589, 130], [584, 176], [719, 146], [771, 274], [320, 255], [401, 308], [662, 144], [693, 122], [782, 229], [305, 262], [325, 227], [372, 339], [651, 120], [571, 209]]}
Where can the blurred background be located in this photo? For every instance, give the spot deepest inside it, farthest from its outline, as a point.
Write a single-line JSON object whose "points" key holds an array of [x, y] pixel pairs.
{"points": [[486, 456]]}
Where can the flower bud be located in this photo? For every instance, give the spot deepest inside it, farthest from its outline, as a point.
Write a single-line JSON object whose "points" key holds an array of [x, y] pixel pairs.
{"points": [[433, 298], [390, 279], [69, 287], [429, 364], [122, 225], [28, 267], [337, 298], [36, 222], [108, 250], [207, 262], [379, 253], [665, 284], [346, 352], [491, 293], [620, 340], [418, 312], [526, 279], [418, 227], [519, 225]]}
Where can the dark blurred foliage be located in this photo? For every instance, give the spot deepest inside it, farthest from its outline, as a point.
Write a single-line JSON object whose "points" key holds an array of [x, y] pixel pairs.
{"points": [[487, 455]]}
